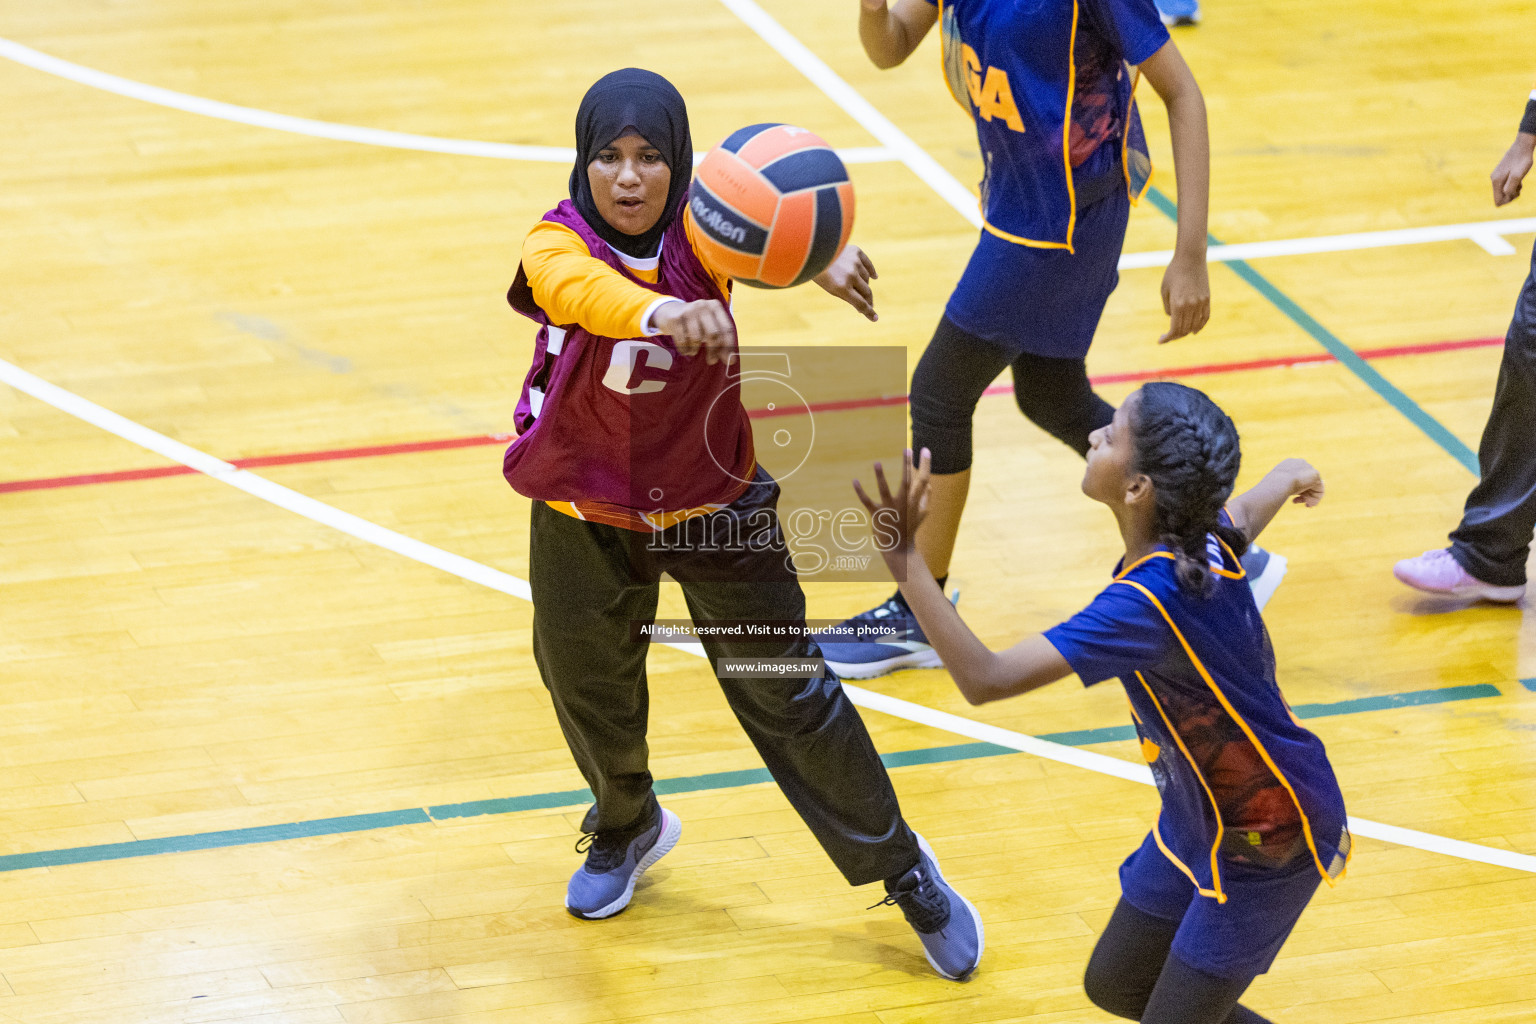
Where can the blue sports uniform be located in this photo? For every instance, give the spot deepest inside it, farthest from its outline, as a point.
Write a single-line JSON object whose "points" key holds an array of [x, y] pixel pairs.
{"points": [[1252, 817], [1054, 228]]}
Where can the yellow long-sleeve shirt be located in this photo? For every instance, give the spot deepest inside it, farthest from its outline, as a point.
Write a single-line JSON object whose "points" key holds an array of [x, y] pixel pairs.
{"points": [[574, 287]]}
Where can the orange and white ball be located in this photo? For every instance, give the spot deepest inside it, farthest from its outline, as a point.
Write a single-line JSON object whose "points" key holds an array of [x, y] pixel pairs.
{"points": [[773, 204]]}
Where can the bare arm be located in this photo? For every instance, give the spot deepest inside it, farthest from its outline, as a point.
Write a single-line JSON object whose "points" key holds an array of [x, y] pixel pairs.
{"points": [[891, 34], [1186, 285], [1293, 479], [980, 673]]}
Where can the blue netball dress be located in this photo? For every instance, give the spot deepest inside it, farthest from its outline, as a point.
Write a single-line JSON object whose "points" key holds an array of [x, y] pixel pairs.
{"points": [[1047, 86], [1252, 817]]}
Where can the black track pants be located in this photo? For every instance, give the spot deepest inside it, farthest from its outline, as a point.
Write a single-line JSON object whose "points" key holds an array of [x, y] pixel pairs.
{"points": [[590, 581], [1493, 541]]}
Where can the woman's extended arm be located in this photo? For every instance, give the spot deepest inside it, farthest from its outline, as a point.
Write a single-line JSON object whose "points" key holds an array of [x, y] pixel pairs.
{"points": [[573, 287], [891, 34], [1186, 285], [1252, 510], [980, 673]]}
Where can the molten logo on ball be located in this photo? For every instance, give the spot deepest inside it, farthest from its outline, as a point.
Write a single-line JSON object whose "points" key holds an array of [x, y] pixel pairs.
{"points": [[773, 205]]}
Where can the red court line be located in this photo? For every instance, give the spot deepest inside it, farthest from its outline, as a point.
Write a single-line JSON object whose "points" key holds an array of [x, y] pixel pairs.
{"points": [[49, 483], [334, 454], [363, 453]]}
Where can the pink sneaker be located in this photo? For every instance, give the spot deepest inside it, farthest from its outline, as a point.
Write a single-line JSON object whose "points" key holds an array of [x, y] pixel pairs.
{"points": [[1437, 572]]}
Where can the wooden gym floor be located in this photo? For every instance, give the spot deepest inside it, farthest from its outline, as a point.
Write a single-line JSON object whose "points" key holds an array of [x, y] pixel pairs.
{"points": [[254, 768]]}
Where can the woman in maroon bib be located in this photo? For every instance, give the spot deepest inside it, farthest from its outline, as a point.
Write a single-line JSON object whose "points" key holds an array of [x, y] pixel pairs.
{"points": [[631, 477]]}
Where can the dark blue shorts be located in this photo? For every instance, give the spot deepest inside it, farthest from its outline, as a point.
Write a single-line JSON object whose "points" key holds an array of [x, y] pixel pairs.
{"points": [[1236, 939], [1046, 302]]}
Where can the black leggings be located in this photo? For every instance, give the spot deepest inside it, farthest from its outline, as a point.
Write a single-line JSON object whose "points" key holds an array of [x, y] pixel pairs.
{"points": [[957, 367], [1132, 974]]}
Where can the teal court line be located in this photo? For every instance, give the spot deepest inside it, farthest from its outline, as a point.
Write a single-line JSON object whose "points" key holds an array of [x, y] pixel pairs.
{"points": [[1373, 379], [664, 787]]}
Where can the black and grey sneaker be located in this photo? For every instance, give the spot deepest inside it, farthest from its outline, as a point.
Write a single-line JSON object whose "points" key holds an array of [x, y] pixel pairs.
{"points": [[947, 923], [852, 655], [615, 861]]}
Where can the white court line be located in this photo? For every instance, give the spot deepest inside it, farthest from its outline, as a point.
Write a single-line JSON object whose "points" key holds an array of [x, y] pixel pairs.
{"points": [[896, 146], [260, 487], [320, 129], [1487, 233], [861, 110], [495, 579]]}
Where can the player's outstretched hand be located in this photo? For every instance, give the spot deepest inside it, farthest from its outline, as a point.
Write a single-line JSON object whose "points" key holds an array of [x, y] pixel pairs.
{"points": [[1186, 297], [1306, 482], [896, 517], [693, 325], [848, 278], [1511, 171]]}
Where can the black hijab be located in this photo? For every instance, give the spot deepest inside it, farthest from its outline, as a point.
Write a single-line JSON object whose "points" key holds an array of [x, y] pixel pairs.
{"points": [[643, 102]]}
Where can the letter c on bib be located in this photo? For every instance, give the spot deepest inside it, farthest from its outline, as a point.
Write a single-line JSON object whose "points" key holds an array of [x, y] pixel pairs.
{"points": [[630, 361]]}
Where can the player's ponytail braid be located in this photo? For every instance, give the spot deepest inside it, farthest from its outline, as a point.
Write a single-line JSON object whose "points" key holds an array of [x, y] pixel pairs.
{"points": [[1188, 448]]}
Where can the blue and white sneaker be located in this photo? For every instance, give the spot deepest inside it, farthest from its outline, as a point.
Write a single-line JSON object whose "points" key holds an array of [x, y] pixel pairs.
{"points": [[864, 659], [1265, 570], [1179, 12], [615, 861], [947, 923]]}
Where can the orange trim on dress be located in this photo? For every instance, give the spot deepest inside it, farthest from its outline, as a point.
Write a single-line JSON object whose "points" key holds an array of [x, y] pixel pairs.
{"points": [[1220, 896], [1241, 573], [1125, 144], [1020, 240], [1157, 837], [1242, 724], [1141, 561], [944, 63], [1066, 146], [1066, 130]]}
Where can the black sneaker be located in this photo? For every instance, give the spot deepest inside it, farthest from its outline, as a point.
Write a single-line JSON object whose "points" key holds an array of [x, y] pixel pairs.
{"points": [[604, 885], [852, 655], [947, 923]]}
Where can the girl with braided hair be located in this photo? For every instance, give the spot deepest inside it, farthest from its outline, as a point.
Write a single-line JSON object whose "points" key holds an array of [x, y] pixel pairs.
{"points": [[1252, 818]]}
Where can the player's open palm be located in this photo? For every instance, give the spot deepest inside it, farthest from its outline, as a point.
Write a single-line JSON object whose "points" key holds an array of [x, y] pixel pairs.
{"points": [[896, 516], [848, 277]]}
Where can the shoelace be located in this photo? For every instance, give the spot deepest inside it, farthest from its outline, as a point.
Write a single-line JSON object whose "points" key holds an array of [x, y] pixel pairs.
{"points": [[925, 907], [605, 850]]}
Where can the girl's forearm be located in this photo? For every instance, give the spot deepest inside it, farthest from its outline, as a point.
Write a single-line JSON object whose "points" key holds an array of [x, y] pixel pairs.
{"points": [[1192, 165], [1253, 510], [970, 662]]}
